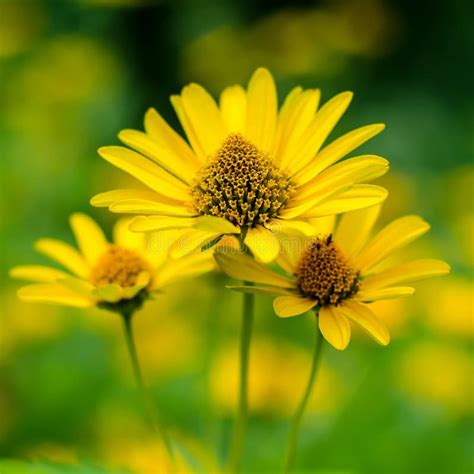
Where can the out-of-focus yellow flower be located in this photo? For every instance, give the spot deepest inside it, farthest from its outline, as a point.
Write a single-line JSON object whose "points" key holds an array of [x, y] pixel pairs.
{"points": [[438, 374], [250, 171], [31, 326], [463, 227], [293, 42], [146, 456], [449, 306], [44, 95], [142, 457], [118, 276], [339, 272], [277, 369], [402, 190]]}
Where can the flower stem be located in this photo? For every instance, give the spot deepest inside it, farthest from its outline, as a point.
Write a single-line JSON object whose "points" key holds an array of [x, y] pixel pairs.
{"points": [[297, 417], [241, 420], [147, 404]]}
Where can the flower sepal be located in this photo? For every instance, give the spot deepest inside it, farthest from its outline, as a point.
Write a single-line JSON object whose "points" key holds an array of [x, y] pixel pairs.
{"points": [[126, 307]]}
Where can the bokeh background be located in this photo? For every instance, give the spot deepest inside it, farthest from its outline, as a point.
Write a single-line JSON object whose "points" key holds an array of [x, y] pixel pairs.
{"points": [[73, 73]]}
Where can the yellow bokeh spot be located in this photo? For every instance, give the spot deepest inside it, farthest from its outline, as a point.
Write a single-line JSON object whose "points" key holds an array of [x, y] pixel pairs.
{"points": [[449, 306], [438, 374], [277, 378], [24, 323], [166, 342]]}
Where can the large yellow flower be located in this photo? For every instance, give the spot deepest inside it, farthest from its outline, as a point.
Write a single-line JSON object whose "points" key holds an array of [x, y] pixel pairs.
{"points": [[339, 272], [118, 275], [248, 169]]}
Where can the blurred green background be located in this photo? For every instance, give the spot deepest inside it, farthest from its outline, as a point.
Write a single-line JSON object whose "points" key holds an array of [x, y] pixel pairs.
{"points": [[73, 73]]}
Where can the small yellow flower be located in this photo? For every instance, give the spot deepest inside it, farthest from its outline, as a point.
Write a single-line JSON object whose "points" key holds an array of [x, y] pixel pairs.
{"points": [[339, 272], [248, 169], [116, 275]]}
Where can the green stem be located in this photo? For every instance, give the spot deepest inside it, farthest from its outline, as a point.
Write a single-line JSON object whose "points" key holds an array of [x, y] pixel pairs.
{"points": [[241, 420], [298, 416], [147, 404]]}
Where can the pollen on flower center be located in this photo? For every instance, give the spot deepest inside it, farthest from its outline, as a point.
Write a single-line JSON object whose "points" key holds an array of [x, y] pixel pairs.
{"points": [[241, 184], [324, 274], [118, 265]]}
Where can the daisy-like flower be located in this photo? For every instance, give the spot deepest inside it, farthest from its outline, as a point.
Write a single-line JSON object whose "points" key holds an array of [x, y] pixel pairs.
{"points": [[340, 272], [247, 169], [118, 276]]}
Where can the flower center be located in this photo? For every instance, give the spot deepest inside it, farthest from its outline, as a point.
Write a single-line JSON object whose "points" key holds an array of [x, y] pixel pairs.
{"points": [[118, 265], [241, 184], [323, 273]]}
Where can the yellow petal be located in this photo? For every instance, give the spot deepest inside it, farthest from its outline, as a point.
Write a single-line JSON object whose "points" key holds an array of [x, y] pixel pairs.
{"points": [[145, 171], [228, 243], [291, 227], [216, 224], [154, 223], [355, 227], [111, 293], [64, 254], [289, 103], [357, 196], [177, 103], [323, 225], [262, 110], [367, 320], [243, 267], [142, 281], [338, 149], [144, 206], [233, 105], [291, 248], [53, 293], [79, 286], [260, 290], [287, 306], [125, 237], [262, 243], [37, 273], [89, 237], [355, 170], [395, 235], [294, 122], [407, 273], [384, 293], [319, 129], [334, 326], [183, 169], [185, 267], [286, 110], [204, 117], [191, 240], [159, 130], [111, 197]]}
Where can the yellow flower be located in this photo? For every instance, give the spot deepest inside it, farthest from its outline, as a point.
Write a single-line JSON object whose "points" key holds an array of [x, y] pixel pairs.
{"points": [[339, 272], [248, 169], [117, 276]]}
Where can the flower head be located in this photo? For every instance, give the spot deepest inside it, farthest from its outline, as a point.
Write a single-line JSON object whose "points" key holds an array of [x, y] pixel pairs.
{"points": [[247, 168], [118, 276], [339, 272]]}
